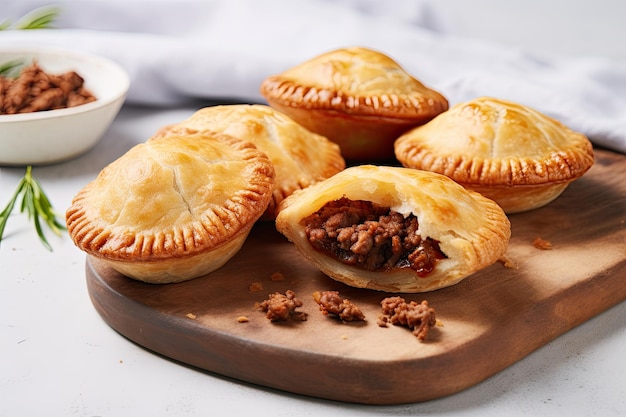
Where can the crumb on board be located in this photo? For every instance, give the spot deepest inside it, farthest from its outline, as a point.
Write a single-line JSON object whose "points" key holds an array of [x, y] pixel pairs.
{"points": [[277, 276], [331, 303], [507, 262], [191, 316], [282, 307], [243, 319], [419, 317], [542, 244], [255, 287]]}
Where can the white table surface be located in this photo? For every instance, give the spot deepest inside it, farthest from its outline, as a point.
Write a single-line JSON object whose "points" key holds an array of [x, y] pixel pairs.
{"points": [[59, 358]]}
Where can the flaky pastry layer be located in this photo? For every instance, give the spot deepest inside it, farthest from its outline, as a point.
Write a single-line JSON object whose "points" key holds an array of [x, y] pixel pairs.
{"points": [[300, 157]]}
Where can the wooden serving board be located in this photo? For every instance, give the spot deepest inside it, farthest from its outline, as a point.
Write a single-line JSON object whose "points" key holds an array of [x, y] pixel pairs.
{"points": [[488, 321]]}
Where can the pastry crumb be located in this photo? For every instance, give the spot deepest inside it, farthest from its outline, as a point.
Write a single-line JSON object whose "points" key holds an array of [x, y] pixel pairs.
{"points": [[542, 244], [191, 316], [255, 287], [242, 319], [507, 262]]}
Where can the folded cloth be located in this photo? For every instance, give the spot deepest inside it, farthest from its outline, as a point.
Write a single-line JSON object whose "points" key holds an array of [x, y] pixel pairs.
{"points": [[181, 50]]}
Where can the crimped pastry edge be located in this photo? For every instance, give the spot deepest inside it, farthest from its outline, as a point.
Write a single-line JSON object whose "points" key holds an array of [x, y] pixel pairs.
{"points": [[177, 246], [419, 102], [413, 106], [557, 167], [425, 147]]}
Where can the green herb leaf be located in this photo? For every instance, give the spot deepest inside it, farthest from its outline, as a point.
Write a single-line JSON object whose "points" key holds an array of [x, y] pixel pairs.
{"points": [[40, 18], [37, 206], [11, 69]]}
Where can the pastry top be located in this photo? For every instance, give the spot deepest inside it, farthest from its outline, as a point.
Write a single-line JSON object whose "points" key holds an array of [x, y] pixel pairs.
{"points": [[494, 141], [355, 80], [172, 197], [472, 230], [300, 157]]}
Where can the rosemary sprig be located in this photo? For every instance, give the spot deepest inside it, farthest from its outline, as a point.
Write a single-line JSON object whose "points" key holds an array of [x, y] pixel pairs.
{"points": [[35, 202], [40, 18], [36, 205]]}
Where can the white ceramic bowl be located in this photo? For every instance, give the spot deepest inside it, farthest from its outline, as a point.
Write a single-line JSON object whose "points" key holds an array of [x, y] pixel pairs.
{"points": [[52, 136]]}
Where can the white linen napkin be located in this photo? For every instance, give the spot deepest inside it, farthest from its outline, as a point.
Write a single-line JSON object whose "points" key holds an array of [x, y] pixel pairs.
{"points": [[181, 50]]}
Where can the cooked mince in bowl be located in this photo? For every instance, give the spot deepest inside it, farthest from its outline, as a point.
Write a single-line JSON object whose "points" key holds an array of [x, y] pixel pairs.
{"points": [[35, 90], [370, 236]]}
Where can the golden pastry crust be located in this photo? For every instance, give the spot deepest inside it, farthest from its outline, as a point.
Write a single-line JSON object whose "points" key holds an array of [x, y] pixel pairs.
{"points": [[357, 97], [300, 157], [174, 208], [471, 230], [511, 153]]}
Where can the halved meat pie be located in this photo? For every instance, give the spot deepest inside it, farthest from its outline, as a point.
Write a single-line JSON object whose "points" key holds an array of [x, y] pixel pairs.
{"points": [[394, 229]]}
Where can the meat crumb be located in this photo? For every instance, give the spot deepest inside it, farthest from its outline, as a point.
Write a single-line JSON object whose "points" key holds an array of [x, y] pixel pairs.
{"points": [[255, 287], [542, 244], [35, 90], [277, 276], [282, 307], [331, 303], [417, 317]]}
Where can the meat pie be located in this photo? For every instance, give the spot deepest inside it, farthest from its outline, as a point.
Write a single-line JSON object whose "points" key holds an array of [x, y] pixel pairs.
{"points": [[515, 155], [357, 97], [174, 208], [394, 229]]}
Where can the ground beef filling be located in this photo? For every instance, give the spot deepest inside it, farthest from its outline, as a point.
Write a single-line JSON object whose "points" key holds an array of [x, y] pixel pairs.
{"points": [[282, 307], [372, 237], [420, 318], [35, 90], [331, 303]]}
